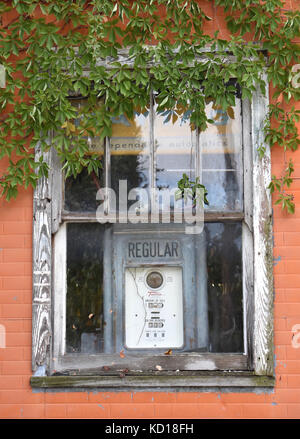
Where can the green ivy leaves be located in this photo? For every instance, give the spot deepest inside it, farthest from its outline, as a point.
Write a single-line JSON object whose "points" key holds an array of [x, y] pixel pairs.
{"points": [[194, 190], [52, 50], [279, 184]]}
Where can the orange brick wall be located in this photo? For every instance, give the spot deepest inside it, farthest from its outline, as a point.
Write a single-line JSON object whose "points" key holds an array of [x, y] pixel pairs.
{"points": [[17, 400]]}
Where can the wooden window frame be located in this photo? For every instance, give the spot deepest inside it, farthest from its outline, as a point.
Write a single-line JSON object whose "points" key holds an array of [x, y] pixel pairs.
{"points": [[253, 369]]}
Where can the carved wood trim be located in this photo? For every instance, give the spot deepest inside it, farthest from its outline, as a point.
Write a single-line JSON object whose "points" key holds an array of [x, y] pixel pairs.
{"points": [[42, 279], [46, 220]]}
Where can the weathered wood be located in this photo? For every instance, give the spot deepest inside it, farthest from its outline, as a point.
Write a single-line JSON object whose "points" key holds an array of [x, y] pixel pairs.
{"points": [[208, 216], [56, 185], [142, 362], [156, 381], [248, 164], [263, 251], [41, 310], [59, 291], [248, 293], [125, 59], [248, 280]]}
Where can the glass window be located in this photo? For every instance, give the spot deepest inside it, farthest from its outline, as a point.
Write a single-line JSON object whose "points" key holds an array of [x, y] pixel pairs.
{"points": [[84, 301], [153, 151], [130, 153], [80, 192], [175, 147], [222, 160], [87, 258], [225, 286]]}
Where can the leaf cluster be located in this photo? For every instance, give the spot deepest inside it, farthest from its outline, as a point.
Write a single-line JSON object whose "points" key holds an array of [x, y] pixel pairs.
{"points": [[194, 190], [55, 52]]}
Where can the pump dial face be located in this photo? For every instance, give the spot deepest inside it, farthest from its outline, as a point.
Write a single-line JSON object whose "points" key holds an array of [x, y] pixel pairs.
{"points": [[154, 280]]}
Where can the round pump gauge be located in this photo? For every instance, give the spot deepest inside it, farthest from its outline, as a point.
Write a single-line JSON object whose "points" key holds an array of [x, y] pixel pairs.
{"points": [[154, 280]]}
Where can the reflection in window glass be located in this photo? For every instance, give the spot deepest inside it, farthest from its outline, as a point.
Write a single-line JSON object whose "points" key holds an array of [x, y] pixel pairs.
{"points": [[80, 192], [222, 160], [174, 147], [84, 325], [129, 148], [225, 297]]}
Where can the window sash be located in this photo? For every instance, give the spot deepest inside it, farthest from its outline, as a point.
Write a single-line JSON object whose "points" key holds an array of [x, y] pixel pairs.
{"points": [[196, 150], [238, 360]]}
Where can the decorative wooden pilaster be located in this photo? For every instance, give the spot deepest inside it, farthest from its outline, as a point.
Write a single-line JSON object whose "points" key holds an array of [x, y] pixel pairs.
{"points": [[41, 312], [46, 219]]}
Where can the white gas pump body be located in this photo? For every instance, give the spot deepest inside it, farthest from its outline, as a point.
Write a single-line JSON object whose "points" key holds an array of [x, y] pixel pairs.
{"points": [[153, 316], [131, 252]]}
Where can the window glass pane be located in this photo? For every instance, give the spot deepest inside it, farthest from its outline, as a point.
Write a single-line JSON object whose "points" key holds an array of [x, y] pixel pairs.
{"points": [[84, 325], [225, 296], [85, 295], [174, 146], [222, 160], [129, 148], [80, 192]]}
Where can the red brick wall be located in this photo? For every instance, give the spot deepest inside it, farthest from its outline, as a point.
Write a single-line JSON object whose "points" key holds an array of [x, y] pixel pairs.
{"points": [[17, 400]]}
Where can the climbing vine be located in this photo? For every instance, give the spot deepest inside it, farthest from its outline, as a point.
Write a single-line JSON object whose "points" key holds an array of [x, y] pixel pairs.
{"points": [[51, 50]]}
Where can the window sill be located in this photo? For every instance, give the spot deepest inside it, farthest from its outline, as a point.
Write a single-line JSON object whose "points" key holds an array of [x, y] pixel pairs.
{"points": [[158, 381]]}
